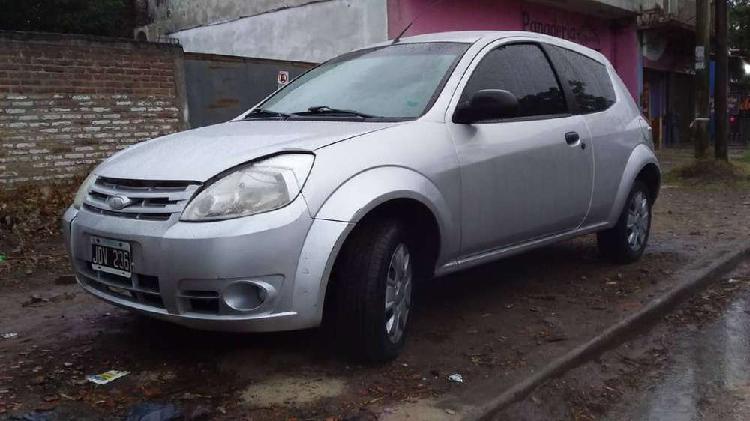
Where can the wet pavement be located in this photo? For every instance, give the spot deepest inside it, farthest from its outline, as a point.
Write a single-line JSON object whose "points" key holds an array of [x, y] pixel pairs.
{"points": [[692, 364], [708, 377]]}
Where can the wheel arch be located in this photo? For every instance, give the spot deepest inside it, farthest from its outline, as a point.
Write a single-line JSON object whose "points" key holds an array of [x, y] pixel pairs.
{"points": [[381, 192], [421, 225], [418, 217], [651, 176], [641, 165], [390, 188]]}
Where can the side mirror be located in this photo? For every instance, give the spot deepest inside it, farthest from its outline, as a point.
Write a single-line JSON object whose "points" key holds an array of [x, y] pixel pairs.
{"points": [[487, 104]]}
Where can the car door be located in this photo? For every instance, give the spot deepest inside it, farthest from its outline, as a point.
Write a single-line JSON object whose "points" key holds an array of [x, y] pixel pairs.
{"points": [[526, 177], [607, 120]]}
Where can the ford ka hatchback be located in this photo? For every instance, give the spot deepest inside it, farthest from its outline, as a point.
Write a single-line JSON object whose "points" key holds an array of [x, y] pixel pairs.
{"points": [[380, 168]]}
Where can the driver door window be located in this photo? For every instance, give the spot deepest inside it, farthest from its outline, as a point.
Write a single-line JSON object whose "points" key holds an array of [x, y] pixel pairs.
{"points": [[524, 71]]}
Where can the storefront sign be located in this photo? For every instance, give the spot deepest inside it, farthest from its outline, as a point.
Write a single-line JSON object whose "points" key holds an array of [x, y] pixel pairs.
{"points": [[582, 34]]}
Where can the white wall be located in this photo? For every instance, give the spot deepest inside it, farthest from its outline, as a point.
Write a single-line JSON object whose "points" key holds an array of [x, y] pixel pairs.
{"points": [[314, 32], [178, 15]]}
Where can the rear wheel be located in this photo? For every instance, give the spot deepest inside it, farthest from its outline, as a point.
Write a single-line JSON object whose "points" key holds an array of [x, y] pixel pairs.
{"points": [[375, 278], [626, 241]]}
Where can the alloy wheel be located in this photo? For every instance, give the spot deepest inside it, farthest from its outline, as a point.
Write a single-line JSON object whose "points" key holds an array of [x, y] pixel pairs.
{"points": [[398, 293], [638, 221]]}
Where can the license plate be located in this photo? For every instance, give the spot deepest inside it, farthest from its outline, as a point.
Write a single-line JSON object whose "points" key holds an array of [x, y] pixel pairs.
{"points": [[111, 256]]}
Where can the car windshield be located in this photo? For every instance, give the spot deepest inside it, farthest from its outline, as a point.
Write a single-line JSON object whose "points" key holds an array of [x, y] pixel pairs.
{"points": [[397, 81]]}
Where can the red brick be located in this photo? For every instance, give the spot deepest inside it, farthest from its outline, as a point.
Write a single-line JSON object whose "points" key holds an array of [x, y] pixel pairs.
{"points": [[53, 72]]}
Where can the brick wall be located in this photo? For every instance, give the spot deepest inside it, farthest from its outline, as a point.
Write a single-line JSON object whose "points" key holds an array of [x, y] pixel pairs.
{"points": [[67, 102]]}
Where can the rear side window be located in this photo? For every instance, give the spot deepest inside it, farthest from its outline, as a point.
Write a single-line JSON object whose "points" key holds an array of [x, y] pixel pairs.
{"points": [[523, 70], [587, 78]]}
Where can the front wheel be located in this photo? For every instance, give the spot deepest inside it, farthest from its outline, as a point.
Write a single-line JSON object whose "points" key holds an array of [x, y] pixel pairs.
{"points": [[375, 284], [626, 241]]}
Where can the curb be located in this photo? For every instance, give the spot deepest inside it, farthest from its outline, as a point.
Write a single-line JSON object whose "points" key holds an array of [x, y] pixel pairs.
{"points": [[696, 277]]}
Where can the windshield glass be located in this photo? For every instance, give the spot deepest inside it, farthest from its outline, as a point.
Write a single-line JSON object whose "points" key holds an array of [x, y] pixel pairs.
{"points": [[396, 81]]}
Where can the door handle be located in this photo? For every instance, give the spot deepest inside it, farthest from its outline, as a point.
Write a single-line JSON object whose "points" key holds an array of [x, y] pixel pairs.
{"points": [[574, 139], [571, 138]]}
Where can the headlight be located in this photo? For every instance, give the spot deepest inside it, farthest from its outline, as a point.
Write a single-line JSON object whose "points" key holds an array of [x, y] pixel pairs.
{"points": [[83, 191], [259, 187]]}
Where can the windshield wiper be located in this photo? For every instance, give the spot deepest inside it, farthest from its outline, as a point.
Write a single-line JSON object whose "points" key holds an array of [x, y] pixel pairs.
{"points": [[326, 110], [261, 113]]}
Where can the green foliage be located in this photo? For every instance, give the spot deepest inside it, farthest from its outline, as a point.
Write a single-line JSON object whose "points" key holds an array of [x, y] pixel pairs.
{"points": [[95, 17], [739, 24]]}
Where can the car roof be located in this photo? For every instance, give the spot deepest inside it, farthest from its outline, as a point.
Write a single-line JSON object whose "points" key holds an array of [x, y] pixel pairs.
{"points": [[472, 37], [454, 36]]}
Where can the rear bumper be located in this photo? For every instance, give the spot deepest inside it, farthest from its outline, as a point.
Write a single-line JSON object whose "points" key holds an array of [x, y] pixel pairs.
{"points": [[188, 273]]}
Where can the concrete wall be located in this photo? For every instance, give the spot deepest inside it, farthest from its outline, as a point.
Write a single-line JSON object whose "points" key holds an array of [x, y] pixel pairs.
{"points": [[658, 11], [169, 16], [67, 102], [314, 32]]}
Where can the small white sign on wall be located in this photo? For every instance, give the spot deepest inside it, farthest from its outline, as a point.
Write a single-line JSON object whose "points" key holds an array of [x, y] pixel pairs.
{"points": [[700, 56], [282, 78]]}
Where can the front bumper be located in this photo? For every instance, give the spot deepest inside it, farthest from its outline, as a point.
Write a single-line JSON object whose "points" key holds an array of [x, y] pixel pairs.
{"points": [[188, 272]]}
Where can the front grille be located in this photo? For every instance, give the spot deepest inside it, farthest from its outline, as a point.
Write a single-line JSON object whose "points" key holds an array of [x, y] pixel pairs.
{"points": [[129, 215], [143, 289], [147, 200]]}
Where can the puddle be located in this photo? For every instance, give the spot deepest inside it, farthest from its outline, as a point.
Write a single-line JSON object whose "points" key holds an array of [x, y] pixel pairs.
{"points": [[709, 377], [290, 391]]}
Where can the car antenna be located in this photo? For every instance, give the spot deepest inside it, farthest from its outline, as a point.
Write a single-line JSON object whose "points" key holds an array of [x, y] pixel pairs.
{"points": [[429, 6], [398, 37]]}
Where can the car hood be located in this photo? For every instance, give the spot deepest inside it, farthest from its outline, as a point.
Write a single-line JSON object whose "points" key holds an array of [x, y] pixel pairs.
{"points": [[199, 154]]}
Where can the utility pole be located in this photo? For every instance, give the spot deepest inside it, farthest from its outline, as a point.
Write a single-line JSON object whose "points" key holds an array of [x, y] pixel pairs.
{"points": [[721, 90], [702, 50]]}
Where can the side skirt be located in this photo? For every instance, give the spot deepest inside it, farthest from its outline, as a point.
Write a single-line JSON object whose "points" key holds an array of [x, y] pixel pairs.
{"points": [[481, 258]]}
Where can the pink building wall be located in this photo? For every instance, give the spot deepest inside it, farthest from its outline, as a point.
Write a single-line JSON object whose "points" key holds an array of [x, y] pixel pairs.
{"points": [[617, 41]]}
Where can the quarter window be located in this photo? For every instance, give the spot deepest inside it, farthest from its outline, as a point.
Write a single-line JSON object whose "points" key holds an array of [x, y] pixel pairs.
{"points": [[587, 78], [523, 70]]}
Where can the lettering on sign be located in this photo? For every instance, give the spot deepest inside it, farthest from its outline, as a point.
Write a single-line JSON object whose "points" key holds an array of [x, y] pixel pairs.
{"points": [[582, 34]]}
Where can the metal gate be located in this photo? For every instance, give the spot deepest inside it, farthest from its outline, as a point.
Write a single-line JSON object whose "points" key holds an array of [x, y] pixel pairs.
{"points": [[219, 88]]}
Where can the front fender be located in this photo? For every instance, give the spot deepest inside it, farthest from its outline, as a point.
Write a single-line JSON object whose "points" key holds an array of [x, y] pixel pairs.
{"points": [[366, 190], [340, 213], [641, 156], [322, 245]]}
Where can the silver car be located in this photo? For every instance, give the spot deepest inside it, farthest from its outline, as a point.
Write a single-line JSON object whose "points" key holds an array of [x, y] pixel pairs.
{"points": [[377, 169]]}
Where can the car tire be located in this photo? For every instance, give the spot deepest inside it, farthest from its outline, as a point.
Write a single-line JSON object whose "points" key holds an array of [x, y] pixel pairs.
{"points": [[375, 277], [626, 241]]}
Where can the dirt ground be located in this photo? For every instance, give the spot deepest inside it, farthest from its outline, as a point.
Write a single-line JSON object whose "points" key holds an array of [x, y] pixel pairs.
{"points": [[498, 322]]}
